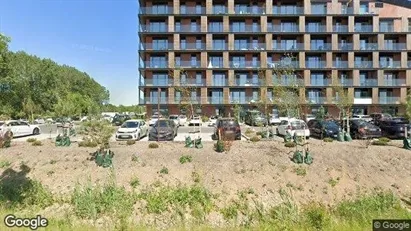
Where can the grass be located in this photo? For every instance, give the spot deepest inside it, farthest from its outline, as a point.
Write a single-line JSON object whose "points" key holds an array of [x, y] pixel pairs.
{"points": [[290, 144], [153, 145], [384, 139], [31, 140], [4, 163], [255, 139], [328, 139], [135, 182], [130, 142], [37, 143], [379, 143], [164, 170], [134, 158], [300, 171], [333, 182], [186, 159]]}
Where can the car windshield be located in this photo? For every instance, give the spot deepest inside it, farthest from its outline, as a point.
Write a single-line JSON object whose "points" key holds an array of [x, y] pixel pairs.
{"points": [[366, 116], [360, 122], [130, 124], [298, 124], [196, 118], [154, 117], [173, 117], [228, 123], [400, 121], [330, 124], [163, 123]]}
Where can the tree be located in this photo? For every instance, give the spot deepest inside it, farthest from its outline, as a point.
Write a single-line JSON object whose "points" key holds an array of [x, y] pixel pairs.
{"points": [[342, 100]]}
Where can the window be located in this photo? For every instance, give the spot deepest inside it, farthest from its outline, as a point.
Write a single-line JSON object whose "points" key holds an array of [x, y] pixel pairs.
{"points": [[364, 8], [219, 44], [318, 9], [159, 9], [386, 26], [289, 44], [241, 79], [314, 27], [158, 61], [160, 79], [216, 61], [158, 26], [317, 44], [183, 44], [216, 26], [237, 96], [219, 79], [199, 77], [238, 61], [178, 26], [241, 8], [219, 9], [194, 61], [240, 44], [160, 44], [238, 27], [183, 9], [317, 79], [154, 95]]}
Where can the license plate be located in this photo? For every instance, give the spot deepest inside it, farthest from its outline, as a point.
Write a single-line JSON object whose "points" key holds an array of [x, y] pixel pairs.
{"points": [[373, 130], [124, 136]]}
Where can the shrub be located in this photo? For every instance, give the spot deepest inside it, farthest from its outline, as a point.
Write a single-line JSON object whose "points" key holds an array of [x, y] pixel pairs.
{"points": [[255, 139], [31, 140], [88, 143], [290, 144], [384, 139], [219, 146], [379, 143], [4, 163], [5, 139], [97, 131], [131, 142], [164, 170], [300, 171], [185, 159], [249, 131], [328, 139], [204, 118], [135, 182], [153, 145], [37, 143]]}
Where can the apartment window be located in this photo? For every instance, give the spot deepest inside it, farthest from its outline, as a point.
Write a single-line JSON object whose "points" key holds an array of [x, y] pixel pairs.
{"points": [[159, 9], [364, 8], [216, 96], [255, 93], [160, 79], [178, 61], [183, 9], [158, 61], [194, 25], [219, 79], [386, 61], [389, 79], [154, 95], [178, 26], [215, 27], [318, 9], [361, 93], [241, 79], [238, 61], [219, 9], [314, 27], [317, 79], [199, 44], [199, 78], [216, 61], [219, 44], [194, 61], [160, 44], [158, 26], [314, 94], [241, 44], [288, 44], [238, 26], [386, 26], [317, 44], [288, 26], [183, 44], [237, 96], [241, 8]]}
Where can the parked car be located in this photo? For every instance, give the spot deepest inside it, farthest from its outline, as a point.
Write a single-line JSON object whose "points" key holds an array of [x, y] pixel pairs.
{"points": [[294, 127], [254, 118], [395, 127], [377, 117], [309, 117], [366, 118], [19, 128], [163, 130], [39, 121], [195, 121], [182, 120], [212, 121], [120, 119], [175, 118], [274, 120], [63, 121], [50, 121], [132, 130], [361, 129], [322, 129], [227, 127]]}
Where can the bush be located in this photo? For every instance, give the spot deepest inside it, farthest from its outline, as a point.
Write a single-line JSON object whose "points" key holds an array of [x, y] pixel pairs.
{"points": [[255, 139], [185, 159], [249, 131], [5, 139], [88, 143], [164, 170], [328, 139], [379, 143], [131, 142], [219, 146], [290, 144], [31, 140], [204, 118], [135, 182], [384, 139], [37, 143], [153, 145], [97, 131]]}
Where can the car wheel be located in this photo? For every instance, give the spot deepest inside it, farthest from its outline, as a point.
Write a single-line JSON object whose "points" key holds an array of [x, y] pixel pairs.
{"points": [[138, 136], [36, 131], [276, 131]]}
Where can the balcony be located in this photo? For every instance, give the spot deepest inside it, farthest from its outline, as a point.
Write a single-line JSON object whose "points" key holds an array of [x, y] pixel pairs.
{"points": [[215, 64], [192, 10], [363, 64], [220, 10], [220, 46], [340, 64], [321, 47], [390, 64], [346, 82], [186, 100], [243, 29], [191, 82], [363, 28], [386, 28], [395, 46], [409, 64], [192, 46], [316, 64], [148, 28], [149, 64], [246, 64], [287, 81], [157, 83], [288, 10], [249, 10], [243, 100], [394, 82], [369, 46], [288, 47], [340, 28], [188, 28], [156, 10], [155, 100], [368, 83], [216, 29], [347, 10], [389, 100], [188, 64], [157, 46], [283, 64], [249, 46], [363, 100], [247, 82], [316, 100], [282, 28], [319, 82], [319, 28], [215, 100], [345, 46]]}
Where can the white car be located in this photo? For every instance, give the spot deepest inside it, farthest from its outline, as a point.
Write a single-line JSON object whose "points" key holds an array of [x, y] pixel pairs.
{"points": [[153, 120], [212, 121], [19, 128], [132, 130], [39, 121], [195, 120], [175, 118], [309, 117], [274, 120], [294, 127], [366, 118], [182, 120]]}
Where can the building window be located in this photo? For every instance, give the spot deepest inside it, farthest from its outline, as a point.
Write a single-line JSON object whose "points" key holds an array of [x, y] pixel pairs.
{"points": [[219, 79]]}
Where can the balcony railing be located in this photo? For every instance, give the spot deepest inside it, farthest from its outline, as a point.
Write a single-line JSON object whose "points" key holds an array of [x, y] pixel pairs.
{"points": [[220, 46], [395, 46], [215, 100], [219, 10], [363, 64], [283, 64], [368, 83], [287, 82], [340, 64], [149, 64], [246, 64], [316, 100], [159, 83], [219, 83], [347, 10], [243, 100], [394, 82], [245, 28], [363, 100], [148, 28], [390, 64], [369, 46], [249, 10], [288, 47], [322, 47], [363, 28], [247, 82], [409, 63], [192, 10], [156, 10], [389, 99], [185, 100], [319, 82], [320, 28], [346, 82], [249, 46], [345, 46], [157, 46], [188, 64], [340, 28], [288, 10], [188, 28], [282, 28], [388, 28], [316, 64], [154, 100], [192, 46], [215, 64], [215, 28]]}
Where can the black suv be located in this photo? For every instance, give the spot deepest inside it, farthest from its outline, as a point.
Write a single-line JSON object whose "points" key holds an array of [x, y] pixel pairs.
{"points": [[227, 128], [120, 119]]}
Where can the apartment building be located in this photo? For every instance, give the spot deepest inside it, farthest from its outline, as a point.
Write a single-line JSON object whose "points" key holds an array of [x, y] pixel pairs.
{"points": [[219, 47]]}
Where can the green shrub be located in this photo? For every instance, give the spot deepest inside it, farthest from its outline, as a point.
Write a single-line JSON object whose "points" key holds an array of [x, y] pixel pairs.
{"points": [[153, 145], [328, 139], [88, 143], [204, 118], [219, 146], [384, 139], [4, 164], [164, 170], [255, 139], [290, 144], [96, 131], [131, 142], [31, 140], [300, 171], [135, 182], [186, 159], [316, 216], [249, 131], [37, 143], [379, 143]]}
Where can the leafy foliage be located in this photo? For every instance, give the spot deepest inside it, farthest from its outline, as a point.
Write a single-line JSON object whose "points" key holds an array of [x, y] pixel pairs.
{"points": [[328, 139], [97, 131], [153, 145], [186, 159], [255, 139], [290, 144]]}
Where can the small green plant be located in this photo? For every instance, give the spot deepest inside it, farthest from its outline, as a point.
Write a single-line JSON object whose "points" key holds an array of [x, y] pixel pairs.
{"points": [[384, 139], [195, 176], [153, 145], [135, 182], [290, 144], [328, 139], [53, 161], [249, 131], [204, 118], [37, 143], [31, 140], [219, 146], [379, 143], [316, 216], [4, 164], [130, 142], [134, 158], [300, 171], [49, 173], [186, 159], [333, 182], [164, 170], [88, 143], [255, 139]]}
